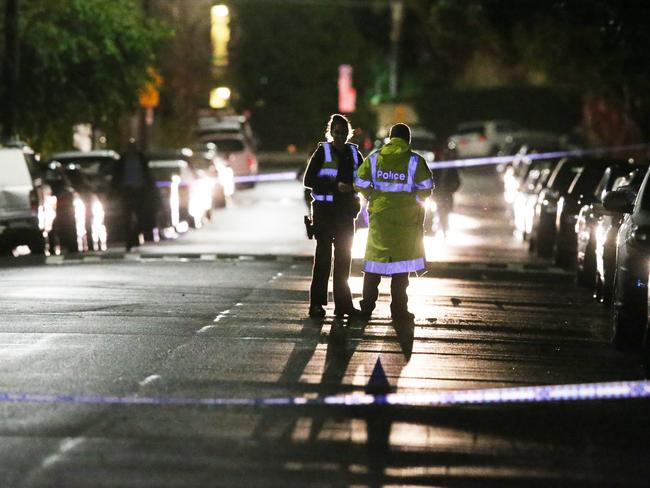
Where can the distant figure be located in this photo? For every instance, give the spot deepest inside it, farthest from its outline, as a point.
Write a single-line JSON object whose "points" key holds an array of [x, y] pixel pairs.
{"points": [[447, 182], [139, 196], [394, 180], [335, 205]]}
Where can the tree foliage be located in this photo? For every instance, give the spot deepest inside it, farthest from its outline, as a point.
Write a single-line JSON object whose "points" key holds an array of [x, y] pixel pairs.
{"points": [[185, 61], [80, 61], [284, 68], [598, 48]]}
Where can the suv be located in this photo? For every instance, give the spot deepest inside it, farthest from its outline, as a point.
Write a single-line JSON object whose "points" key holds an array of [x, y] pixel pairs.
{"points": [[481, 138], [27, 208]]}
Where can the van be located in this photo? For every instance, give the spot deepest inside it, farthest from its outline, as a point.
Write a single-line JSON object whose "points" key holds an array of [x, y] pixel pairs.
{"points": [[26, 207]]}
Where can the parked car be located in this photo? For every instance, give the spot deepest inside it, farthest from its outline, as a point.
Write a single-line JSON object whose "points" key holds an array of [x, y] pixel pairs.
{"points": [[543, 231], [209, 164], [186, 198], [579, 193], [481, 138], [79, 214], [516, 171], [629, 311], [98, 167], [589, 218], [606, 234], [523, 206], [27, 205], [213, 124], [239, 155]]}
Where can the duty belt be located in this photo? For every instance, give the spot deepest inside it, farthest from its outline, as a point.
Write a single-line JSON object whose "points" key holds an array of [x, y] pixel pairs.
{"points": [[322, 198]]}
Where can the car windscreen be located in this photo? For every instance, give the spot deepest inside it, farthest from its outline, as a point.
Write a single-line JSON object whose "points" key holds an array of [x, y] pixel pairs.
{"points": [[565, 175], [229, 145], [471, 129], [92, 167], [645, 196], [165, 170], [79, 180], [588, 181], [636, 176]]}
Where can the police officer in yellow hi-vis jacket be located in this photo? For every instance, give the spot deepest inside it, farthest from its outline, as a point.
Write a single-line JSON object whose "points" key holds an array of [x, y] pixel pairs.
{"points": [[395, 181], [330, 176]]}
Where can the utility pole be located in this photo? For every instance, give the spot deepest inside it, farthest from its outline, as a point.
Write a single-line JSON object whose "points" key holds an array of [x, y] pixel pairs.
{"points": [[10, 69], [143, 115], [397, 16]]}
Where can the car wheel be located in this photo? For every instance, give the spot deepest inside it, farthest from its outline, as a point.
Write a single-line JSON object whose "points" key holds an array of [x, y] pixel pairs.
{"points": [[586, 274], [627, 322], [544, 244], [598, 288]]}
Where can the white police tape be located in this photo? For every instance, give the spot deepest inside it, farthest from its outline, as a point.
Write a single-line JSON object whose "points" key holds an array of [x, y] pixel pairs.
{"points": [[492, 160], [524, 394], [470, 162], [282, 176]]}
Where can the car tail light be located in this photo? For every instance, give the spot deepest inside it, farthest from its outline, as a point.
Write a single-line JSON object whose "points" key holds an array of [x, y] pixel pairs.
{"points": [[252, 162], [482, 138]]}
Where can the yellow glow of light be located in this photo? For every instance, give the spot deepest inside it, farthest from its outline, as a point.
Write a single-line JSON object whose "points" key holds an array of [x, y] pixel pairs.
{"points": [[220, 34], [223, 92], [219, 97], [220, 11]]}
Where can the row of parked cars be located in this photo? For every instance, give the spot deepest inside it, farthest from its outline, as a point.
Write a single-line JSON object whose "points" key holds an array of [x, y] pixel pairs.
{"points": [[70, 204], [590, 214]]}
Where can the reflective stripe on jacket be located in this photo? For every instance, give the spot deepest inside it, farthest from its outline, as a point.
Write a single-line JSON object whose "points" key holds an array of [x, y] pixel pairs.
{"points": [[330, 169], [394, 180]]}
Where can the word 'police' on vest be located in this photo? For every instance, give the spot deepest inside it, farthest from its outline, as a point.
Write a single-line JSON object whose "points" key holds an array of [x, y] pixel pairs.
{"points": [[391, 175]]}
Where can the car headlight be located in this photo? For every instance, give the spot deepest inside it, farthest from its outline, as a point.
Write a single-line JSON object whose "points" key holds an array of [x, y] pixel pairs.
{"points": [[98, 213]]}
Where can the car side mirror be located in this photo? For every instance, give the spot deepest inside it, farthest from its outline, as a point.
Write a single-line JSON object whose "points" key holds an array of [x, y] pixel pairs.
{"points": [[619, 201]]}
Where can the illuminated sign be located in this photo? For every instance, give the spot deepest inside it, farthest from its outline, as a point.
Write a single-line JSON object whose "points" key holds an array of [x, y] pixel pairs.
{"points": [[347, 93]]}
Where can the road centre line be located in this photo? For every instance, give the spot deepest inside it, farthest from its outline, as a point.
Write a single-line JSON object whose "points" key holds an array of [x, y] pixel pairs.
{"points": [[527, 394]]}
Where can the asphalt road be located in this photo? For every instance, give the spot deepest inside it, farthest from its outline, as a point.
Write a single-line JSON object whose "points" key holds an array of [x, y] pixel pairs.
{"points": [[193, 363]]}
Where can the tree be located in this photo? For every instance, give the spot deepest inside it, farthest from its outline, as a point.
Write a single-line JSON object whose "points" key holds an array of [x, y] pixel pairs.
{"points": [[284, 68], [597, 48], [185, 61], [80, 61]]}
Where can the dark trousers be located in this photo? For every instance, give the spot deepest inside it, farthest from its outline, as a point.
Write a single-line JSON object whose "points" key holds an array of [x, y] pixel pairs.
{"points": [[133, 215], [398, 284], [339, 234]]}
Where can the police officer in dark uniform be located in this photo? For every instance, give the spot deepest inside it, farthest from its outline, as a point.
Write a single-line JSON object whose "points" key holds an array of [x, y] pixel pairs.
{"points": [[335, 205]]}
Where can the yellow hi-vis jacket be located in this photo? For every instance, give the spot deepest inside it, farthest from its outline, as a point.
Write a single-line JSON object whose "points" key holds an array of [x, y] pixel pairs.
{"points": [[395, 181]]}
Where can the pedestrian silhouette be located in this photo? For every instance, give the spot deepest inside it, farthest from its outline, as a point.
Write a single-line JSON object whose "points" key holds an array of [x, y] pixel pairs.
{"points": [[138, 195]]}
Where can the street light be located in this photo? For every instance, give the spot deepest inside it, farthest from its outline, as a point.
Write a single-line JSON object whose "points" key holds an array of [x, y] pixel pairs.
{"points": [[220, 34], [219, 97]]}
